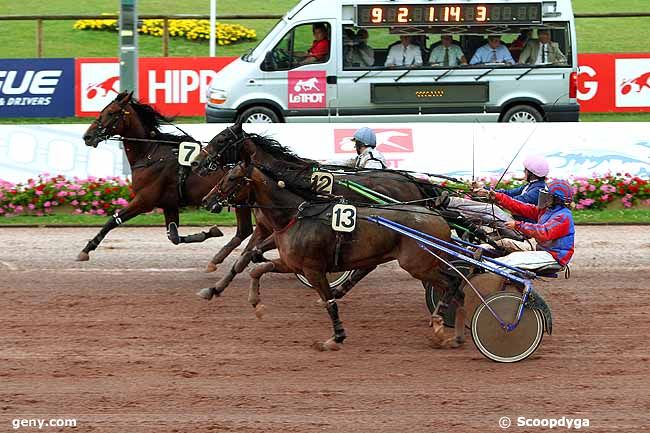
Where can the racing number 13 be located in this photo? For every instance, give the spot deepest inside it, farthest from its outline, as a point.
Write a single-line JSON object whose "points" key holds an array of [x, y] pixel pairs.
{"points": [[344, 218]]}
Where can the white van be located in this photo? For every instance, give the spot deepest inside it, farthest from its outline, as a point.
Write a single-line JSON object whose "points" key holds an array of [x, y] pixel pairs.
{"points": [[407, 61]]}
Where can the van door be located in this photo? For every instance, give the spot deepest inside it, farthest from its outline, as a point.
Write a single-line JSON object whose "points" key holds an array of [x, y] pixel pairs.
{"points": [[300, 72]]}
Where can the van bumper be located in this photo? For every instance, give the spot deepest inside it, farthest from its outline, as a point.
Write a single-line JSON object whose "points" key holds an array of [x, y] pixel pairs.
{"points": [[219, 115], [562, 112]]}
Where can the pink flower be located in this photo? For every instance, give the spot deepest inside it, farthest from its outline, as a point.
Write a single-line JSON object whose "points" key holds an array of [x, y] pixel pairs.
{"points": [[18, 209], [604, 197], [95, 203], [579, 206], [47, 204], [39, 192], [74, 202], [592, 187], [100, 212], [31, 206], [61, 194], [82, 192], [97, 193], [2, 211], [78, 211], [582, 189], [39, 213]]}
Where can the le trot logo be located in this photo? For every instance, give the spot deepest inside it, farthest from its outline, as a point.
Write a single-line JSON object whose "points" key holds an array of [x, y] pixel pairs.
{"points": [[633, 80], [398, 140], [307, 89]]}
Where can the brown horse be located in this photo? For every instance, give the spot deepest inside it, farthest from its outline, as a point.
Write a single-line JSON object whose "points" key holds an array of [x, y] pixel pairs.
{"points": [[158, 179], [308, 245]]}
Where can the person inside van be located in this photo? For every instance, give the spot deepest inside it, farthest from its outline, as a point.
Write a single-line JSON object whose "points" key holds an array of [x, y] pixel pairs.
{"points": [[320, 48], [360, 54], [404, 54], [492, 52], [447, 53], [517, 46], [542, 51]]}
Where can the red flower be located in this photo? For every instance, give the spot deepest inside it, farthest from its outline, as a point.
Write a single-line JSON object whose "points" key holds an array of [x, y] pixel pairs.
{"points": [[106, 206], [107, 190], [41, 187]]}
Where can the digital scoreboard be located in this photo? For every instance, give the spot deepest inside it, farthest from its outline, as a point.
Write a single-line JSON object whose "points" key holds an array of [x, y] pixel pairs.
{"points": [[450, 13]]}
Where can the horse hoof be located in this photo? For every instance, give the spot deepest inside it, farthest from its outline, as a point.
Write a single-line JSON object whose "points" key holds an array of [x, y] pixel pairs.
{"points": [[260, 310], [328, 346], [211, 267], [456, 343], [206, 293], [215, 232], [83, 257], [320, 302]]}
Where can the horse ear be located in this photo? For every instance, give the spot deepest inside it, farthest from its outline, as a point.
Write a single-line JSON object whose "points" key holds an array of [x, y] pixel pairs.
{"points": [[129, 96]]}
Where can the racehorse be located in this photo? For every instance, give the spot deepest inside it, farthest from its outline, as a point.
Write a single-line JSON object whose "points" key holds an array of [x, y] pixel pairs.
{"points": [[158, 179], [302, 224], [233, 145]]}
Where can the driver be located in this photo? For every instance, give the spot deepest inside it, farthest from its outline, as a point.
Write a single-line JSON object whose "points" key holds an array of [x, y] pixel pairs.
{"points": [[553, 227], [365, 142], [320, 48]]}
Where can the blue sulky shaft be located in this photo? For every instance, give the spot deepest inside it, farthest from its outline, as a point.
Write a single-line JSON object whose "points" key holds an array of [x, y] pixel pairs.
{"points": [[448, 248]]}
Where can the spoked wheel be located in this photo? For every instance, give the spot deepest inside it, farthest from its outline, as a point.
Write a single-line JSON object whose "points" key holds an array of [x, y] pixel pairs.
{"points": [[494, 342], [335, 278], [433, 296]]}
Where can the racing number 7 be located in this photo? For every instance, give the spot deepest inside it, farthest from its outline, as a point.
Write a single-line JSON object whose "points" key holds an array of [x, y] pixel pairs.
{"points": [[187, 151]]}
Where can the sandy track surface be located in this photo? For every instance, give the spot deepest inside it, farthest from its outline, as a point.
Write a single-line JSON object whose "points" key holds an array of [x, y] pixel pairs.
{"points": [[122, 344]]}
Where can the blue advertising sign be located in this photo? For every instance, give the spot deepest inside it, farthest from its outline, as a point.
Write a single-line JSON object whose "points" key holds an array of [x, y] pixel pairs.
{"points": [[36, 87]]}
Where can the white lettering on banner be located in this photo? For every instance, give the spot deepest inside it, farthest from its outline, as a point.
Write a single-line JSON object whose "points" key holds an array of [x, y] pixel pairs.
{"points": [[591, 86], [177, 85], [34, 82], [304, 98]]}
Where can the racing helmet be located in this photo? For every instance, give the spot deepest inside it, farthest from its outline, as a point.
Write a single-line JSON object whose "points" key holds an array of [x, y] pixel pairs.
{"points": [[557, 191], [536, 164], [365, 137]]}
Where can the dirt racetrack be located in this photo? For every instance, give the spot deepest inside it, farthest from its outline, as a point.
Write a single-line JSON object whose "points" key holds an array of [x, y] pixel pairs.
{"points": [[122, 344]]}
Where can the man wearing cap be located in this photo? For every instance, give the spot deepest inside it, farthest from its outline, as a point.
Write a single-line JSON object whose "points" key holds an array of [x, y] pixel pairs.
{"points": [[542, 51], [365, 142], [492, 52], [535, 172]]}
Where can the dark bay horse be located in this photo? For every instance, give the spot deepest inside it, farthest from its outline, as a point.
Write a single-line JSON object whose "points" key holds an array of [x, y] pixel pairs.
{"points": [[308, 245], [152, 155]]}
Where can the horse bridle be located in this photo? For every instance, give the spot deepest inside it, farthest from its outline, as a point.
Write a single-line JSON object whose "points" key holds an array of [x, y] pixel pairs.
{"points": [[212, 161], [228, 200], [105, 132]]}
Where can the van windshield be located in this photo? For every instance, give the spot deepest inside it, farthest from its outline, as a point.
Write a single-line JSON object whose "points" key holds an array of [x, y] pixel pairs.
{"points": [[546, 45], [254, 53]]}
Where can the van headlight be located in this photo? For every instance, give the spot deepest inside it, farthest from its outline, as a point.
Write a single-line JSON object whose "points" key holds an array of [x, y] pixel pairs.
{"points": [[217, 96]]}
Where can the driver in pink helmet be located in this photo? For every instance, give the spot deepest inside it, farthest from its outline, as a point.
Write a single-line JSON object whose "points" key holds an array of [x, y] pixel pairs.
{"points": [[535, 171]]}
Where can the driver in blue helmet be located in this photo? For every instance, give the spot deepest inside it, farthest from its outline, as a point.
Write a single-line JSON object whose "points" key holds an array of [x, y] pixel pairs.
{"points": [[365, 142], [553, 228]]}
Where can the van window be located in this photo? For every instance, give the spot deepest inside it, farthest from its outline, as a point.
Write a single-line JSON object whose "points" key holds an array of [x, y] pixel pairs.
{"points": [[388, 48], [304, 44]]}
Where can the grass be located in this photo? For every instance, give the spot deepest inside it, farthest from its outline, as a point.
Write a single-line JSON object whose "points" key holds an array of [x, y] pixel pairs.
{"points": [[188, 218], [205, 219]]}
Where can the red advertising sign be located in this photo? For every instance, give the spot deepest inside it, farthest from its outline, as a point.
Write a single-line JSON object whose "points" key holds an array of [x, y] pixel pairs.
{"points": [[307, 89], [396, 140], [614, 82], [175, 86]]}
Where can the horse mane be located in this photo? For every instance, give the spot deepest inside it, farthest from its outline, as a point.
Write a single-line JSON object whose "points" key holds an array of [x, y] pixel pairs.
{"points": [[277, 150], [152, 120]]}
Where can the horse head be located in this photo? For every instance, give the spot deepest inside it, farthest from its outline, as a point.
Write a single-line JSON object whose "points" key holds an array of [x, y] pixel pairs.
{"points": [[114, 119], [223, 149], [233, 189]]}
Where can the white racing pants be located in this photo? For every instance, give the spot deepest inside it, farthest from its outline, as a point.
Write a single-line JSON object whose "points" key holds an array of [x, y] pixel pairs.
{"points": [[529, 260]]}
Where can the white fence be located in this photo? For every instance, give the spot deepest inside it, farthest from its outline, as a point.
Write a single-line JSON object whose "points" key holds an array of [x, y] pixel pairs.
{"points": [[578, 149]]}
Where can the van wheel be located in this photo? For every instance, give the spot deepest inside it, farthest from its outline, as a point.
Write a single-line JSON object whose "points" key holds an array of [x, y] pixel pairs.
{"points": [[259, 115], [523, 113]]}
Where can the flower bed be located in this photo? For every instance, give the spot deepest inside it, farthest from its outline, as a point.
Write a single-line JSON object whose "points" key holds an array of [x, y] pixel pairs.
{"points": [[193, 30], [103, 196], [44, 195]]}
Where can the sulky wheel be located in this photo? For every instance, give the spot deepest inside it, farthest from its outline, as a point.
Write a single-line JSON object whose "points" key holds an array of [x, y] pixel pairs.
{"points": [[335, 278], [497, 344]]}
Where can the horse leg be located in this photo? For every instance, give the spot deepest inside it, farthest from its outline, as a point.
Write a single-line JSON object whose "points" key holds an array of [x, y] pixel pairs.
{"points": [[172, 221], [352, 281], [319, 281], [244, 230], [237, 268], [275, 266], [133, 209]]}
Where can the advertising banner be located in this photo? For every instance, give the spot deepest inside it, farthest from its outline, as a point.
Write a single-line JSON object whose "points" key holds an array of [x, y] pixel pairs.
{"points": [[36, 87], [614, 82], [175, 86]]}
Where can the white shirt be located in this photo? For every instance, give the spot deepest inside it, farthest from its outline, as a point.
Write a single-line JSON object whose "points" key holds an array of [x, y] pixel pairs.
{"points": [[438, 55], [542, 48], [399, 55], [369, 158]]}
